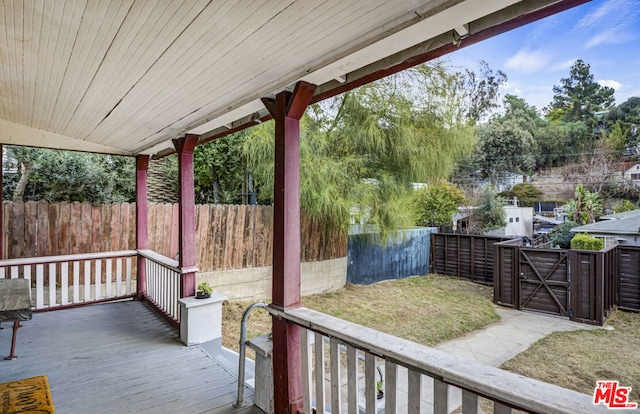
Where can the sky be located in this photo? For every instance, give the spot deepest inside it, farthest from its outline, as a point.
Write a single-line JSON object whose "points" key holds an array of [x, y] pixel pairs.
{"points": [[603, 33]]}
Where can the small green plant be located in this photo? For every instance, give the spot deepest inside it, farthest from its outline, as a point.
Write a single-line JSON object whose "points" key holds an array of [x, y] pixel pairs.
{"points": [[380, 392], [586, 242], [204, 288]]}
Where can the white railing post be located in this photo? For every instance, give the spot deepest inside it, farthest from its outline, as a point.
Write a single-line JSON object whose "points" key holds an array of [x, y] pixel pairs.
{"points": [[335, 375], [390, 387], [319, 370], [469, 402], [370, 393], [440, 397], [414, 392], [306, 370]]}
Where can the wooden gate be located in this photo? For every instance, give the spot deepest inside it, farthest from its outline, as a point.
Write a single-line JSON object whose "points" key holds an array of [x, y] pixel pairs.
{"points": [[544, 281]]}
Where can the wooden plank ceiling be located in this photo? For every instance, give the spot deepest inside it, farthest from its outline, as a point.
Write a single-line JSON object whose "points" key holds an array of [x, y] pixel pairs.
{"points": [[127, 76]]}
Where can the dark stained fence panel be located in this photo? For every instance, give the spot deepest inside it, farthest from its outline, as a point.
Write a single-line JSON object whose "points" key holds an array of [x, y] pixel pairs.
{"points": [[506, 273], [629, 281], [544, 284], [465, 256]]}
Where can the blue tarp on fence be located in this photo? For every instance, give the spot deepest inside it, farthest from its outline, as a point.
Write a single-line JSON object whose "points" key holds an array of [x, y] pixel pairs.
{"points": [[406, 254]]}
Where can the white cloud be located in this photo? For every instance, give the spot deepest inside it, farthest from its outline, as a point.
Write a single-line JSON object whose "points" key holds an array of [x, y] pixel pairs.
{"points": [[613, 22], [610, 83], [527, 61], [563, 65], [596, 16]]}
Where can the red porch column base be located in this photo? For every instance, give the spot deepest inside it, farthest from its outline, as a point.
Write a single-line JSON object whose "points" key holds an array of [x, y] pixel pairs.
{"points": [[188, 284], [287, 377]]}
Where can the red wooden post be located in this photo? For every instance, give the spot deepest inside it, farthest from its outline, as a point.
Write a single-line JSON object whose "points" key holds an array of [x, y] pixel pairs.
{"points": [[142, 234], [187, 212], [286, 110]]}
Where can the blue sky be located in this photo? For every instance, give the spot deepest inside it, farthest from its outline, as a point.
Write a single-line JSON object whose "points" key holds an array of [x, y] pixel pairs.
{"points": [[603, 33]]}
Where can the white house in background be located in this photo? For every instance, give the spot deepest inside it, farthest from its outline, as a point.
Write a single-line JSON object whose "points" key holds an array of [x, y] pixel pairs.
{"points": [[633, 173], [625, 230], [519, 221]]}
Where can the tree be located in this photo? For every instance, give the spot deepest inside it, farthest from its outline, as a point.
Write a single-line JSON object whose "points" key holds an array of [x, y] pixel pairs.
{"points": [[586, 208], [54, 175], [436, 204], [628, 113], [489, 215], [562, 234], [579, 96], [526, 193], [625, 205], [483, 90], [361, 151], [505, 147]]}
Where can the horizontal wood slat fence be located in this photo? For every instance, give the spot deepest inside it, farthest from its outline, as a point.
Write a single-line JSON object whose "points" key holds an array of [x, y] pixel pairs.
{"points": [[227, 236], [582, 285], [463, 255]]}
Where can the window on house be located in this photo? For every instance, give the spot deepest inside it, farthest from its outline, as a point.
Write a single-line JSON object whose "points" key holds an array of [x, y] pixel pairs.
{"points": [[510, 219], [635, 176], [517, 219]]}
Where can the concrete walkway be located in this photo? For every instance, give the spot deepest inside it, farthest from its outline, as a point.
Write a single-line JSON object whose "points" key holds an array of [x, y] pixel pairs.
{"points": [[499, 342], [512, 334]]}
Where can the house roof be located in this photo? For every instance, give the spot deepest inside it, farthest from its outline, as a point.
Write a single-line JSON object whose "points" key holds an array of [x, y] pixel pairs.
{"points": [[626, 226], [547, 219], [622, 215], [127, 76]]}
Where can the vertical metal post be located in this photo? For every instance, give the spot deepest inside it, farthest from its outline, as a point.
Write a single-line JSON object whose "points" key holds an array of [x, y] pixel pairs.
{"points": [[286, 110]]}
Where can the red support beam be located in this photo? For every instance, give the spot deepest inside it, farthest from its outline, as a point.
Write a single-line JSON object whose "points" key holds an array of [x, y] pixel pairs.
{"points": [[286, 110], [142, 234], [187, 212]]}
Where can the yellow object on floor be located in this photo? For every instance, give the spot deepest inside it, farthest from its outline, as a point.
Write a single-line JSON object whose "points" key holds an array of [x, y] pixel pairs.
{"points": [[27, 395]]}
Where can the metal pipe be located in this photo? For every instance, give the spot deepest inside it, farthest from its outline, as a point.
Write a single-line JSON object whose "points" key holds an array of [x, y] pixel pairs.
{"points": [[241, 359]]}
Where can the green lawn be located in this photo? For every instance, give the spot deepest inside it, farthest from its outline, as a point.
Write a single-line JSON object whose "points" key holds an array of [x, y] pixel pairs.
{"points": [[425, 309]]}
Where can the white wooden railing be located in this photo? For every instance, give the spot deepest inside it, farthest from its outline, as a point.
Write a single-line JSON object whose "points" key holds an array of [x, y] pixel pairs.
{"points": [[416, 378], [71, 280], [163, 283]]}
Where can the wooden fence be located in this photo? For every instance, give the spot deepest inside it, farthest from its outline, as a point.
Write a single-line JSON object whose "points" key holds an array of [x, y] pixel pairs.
{"points": [[227, 236], [629, 283], [582, 285], [466, 256]]}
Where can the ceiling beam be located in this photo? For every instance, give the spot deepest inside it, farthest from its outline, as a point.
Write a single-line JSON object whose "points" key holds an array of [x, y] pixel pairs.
{"points": [[16, 134], [509, 18]]}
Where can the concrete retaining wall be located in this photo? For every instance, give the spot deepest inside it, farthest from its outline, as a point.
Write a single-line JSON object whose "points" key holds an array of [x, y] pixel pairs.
{"points": [[255, 283]]}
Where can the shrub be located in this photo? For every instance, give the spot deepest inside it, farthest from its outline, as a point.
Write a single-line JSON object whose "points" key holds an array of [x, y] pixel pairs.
{"points": [[562, 235], [527, 194], [586, 242]]}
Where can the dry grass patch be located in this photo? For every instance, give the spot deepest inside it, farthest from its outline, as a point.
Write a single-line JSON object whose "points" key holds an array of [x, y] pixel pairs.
{"points": [[576, 360], [425, 309]]}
